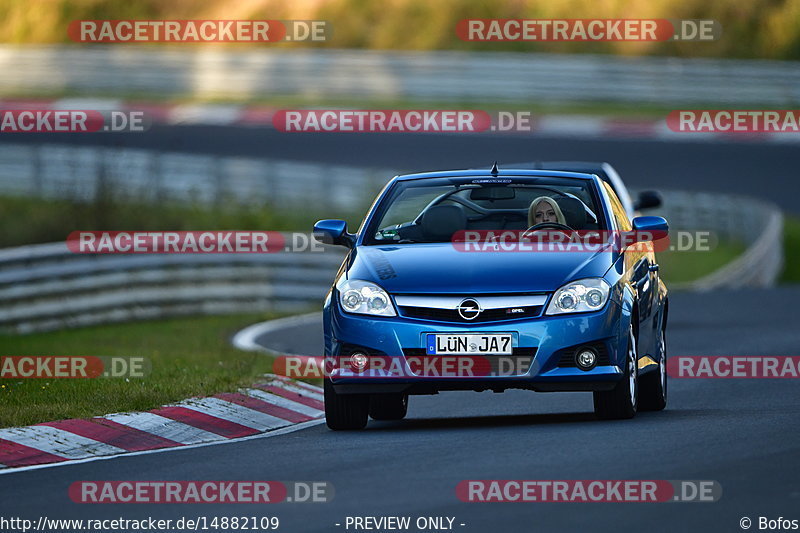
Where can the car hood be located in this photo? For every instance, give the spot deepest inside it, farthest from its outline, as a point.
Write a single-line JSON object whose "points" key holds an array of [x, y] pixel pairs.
{"points": [[441, 268]]}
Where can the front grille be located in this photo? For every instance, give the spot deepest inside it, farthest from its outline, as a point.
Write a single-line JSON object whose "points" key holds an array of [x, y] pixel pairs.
{"points": [[567, 355], [487, 315]]}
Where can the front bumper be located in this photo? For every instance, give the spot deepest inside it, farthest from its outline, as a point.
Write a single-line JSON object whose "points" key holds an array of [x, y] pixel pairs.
{"points": [[547, 337]]}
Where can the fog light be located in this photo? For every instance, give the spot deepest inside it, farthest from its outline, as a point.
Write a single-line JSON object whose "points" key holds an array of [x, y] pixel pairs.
{"points": [[358, 361], [586, 358]]}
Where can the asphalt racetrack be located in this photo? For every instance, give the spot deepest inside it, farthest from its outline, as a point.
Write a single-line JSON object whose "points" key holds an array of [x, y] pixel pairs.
{"points": [[765, 170], [742, 433]]}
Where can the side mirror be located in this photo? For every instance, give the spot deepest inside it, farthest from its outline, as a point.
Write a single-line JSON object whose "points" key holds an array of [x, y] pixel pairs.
{"points": [[649, 228], [333, 232], [648, 200]]}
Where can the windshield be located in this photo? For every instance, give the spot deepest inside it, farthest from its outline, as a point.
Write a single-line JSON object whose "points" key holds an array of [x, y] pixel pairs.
{"points": [[432, 210]]}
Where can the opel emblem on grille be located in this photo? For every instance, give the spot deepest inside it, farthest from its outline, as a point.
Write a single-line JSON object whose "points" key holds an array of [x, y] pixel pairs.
{"points": [[469, 309]]}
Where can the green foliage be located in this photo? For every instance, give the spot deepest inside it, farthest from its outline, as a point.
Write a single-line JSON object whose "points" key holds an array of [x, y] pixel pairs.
{"points": [[30, 220], [766, 29], [791, 250], [188, 357]]}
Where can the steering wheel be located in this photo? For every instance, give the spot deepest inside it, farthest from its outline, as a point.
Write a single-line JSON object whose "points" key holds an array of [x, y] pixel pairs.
{"points": [[548, 225]]}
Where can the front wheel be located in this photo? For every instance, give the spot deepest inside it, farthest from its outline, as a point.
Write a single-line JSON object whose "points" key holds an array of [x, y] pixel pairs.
{"points": [[621, 401], [653, 396], [345, 411]]}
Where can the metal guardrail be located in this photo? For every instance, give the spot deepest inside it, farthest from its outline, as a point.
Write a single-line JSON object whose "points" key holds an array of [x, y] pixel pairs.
{"points": [[84, 173], [45, 287], [430, 76], [758, 224], [759, 266]]}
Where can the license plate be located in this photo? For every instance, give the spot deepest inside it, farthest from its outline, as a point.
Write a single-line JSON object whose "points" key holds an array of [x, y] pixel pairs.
{"points": [[472, 343]]}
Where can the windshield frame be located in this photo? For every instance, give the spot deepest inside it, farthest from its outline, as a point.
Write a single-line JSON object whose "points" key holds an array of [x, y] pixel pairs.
{"points": [[387, 198]]}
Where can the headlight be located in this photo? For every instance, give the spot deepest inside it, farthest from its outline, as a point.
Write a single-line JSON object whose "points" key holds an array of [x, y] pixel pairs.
{"points": [[579, 297], [364, 298]]}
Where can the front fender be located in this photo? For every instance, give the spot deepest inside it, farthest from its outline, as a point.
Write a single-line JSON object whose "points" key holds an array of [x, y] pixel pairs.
{"points": [[627, 303]]}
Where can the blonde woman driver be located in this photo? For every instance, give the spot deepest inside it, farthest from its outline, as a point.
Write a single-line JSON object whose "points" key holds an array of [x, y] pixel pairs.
{"points": [[545, 209]]}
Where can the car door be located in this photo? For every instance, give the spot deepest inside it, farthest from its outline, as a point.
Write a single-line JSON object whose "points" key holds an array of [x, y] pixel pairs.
{"points": [[639, 261]]}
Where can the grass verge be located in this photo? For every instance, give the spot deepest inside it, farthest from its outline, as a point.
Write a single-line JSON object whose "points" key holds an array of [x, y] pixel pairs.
{"points": [[188, 357], [598, 108], [791, 250], [299, 101], [34, 220], [687, 266]]}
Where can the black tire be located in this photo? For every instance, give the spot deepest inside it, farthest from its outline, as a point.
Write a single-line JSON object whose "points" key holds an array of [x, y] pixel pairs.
{"points": [[621, 401], [388, 406], [653, 387], [345, 411]]}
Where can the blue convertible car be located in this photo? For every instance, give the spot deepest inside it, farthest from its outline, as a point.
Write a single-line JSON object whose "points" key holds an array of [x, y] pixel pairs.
{"points": [[433, 297]]}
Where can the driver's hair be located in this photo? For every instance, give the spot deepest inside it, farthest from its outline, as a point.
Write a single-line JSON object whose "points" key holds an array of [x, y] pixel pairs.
{"points": [[552, 203]]}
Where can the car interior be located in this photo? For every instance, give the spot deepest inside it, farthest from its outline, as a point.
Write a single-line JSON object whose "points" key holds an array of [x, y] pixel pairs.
{"points": [[488, 208]]}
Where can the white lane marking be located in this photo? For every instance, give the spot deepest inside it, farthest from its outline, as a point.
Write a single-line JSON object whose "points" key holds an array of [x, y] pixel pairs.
{"points": [[164, 427], [298, 390], [97, 104], [58, 442], [276, 433], [246, 338], [302, 384], [280, 401], [566, 125], [204, 114], [232, 412]]}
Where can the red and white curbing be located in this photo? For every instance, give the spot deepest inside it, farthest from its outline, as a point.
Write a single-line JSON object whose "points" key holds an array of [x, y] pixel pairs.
{"points": [[272, 405], [261, 116]]}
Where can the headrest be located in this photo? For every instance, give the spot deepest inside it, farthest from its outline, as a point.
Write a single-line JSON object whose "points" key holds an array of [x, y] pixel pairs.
{"points": [[441, 221], [573, 210]]}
